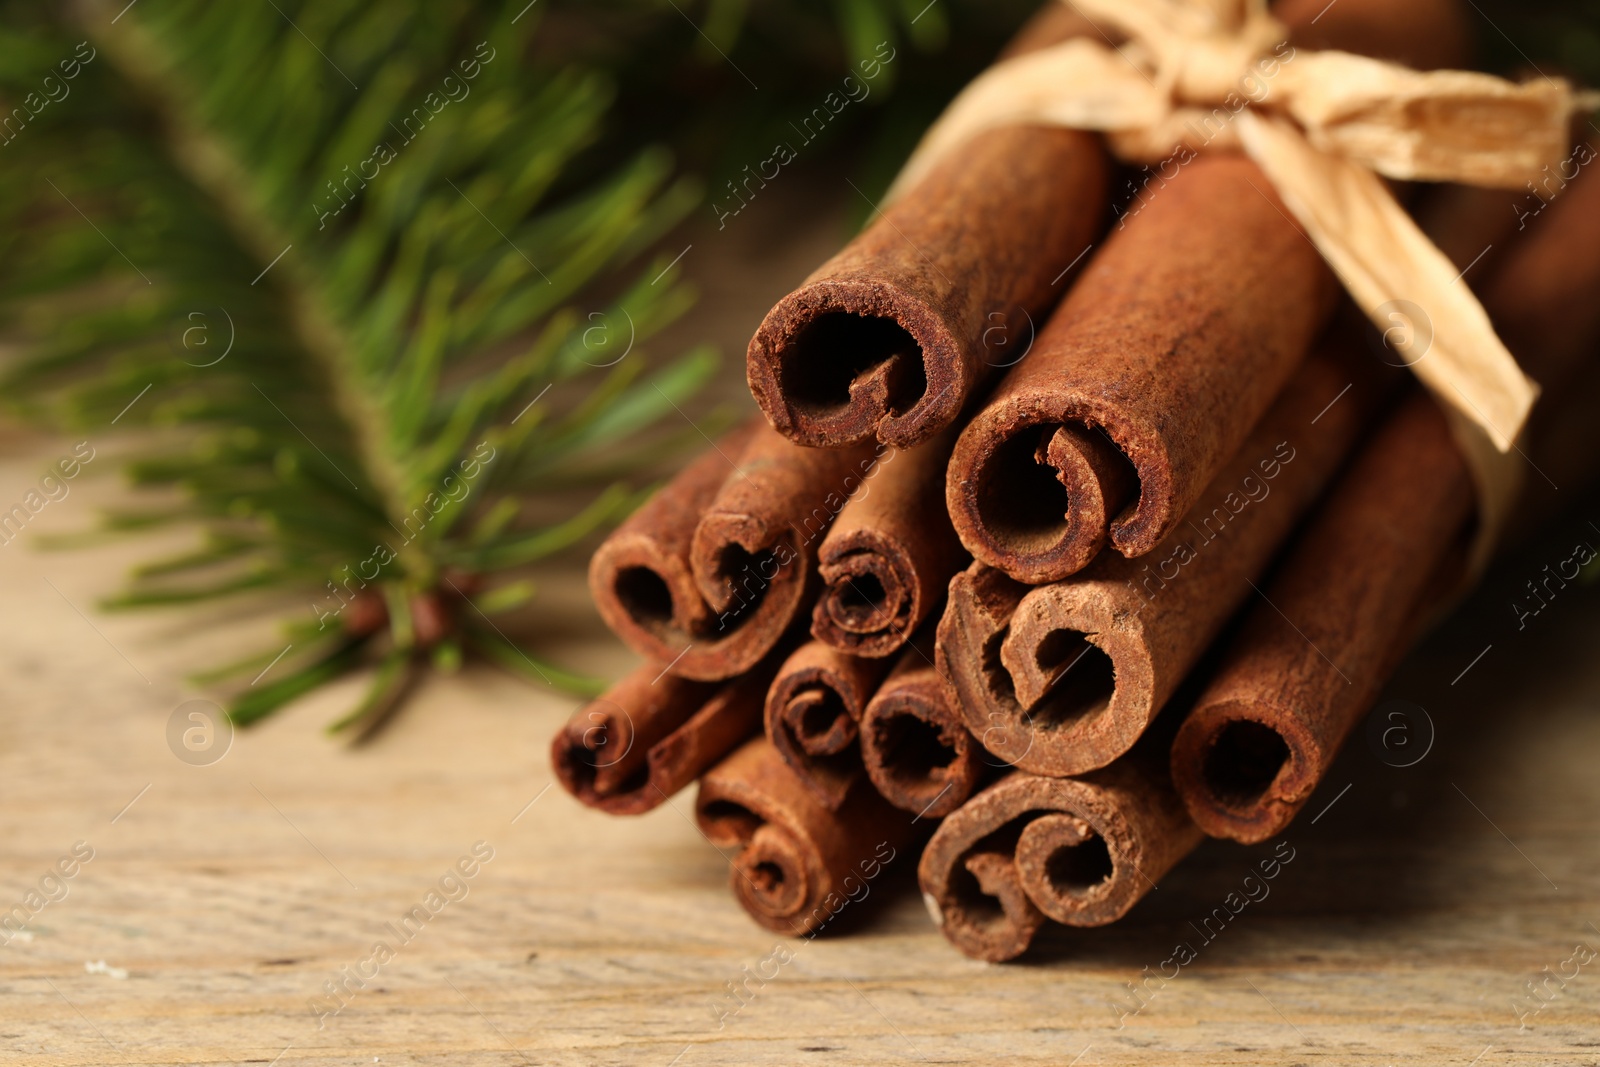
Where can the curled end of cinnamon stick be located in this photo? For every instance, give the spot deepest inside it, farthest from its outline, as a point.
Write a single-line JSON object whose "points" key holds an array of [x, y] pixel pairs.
{"points": [[812, 712], [798, 864], [843, 360], [1056, 681], [752, 579], [1079, 851], [971, 886], [1037, 498], [647, 597], [1244, 772], [617, 754], [645, 588], [1072, 873], [915, 747], [654, 604], [872, 598], [776, 871]]}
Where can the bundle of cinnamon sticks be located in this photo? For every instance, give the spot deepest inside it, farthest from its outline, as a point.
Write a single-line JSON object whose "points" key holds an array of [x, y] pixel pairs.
{"points": [[1051, 609]]}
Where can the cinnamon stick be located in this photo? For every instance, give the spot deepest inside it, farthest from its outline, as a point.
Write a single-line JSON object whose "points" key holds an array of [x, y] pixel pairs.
{"points": [[916, 748], [1177, 337], [886, 561], [1072, 678], [890, 337], [711, 572], [651, 734], [1288, 693], [1258, 742], [1183, 327], [798, 864], [1081, 851], [812, 712], [640, 578]]}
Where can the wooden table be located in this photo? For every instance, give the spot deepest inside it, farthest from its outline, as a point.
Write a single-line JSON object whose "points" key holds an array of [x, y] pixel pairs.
{"points": [[222, 898]]}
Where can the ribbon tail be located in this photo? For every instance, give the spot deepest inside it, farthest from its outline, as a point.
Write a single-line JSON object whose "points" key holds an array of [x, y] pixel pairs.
{"points": [[1407, 287], [1396, 274]]}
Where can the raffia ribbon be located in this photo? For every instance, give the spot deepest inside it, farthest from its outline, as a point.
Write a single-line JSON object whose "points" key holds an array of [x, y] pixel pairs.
{"points": [[1323, 127]]}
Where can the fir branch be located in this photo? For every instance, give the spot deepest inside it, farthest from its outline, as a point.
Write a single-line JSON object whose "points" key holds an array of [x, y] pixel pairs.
{"points": [[365, 276]]}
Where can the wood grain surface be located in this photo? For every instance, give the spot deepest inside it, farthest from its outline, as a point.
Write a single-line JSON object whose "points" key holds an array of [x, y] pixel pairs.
{"points": [[1419, 904]]}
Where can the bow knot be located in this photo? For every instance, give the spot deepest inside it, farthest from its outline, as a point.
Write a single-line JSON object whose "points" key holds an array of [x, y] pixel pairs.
{"points": [[1197, 53], [1323, 126]]}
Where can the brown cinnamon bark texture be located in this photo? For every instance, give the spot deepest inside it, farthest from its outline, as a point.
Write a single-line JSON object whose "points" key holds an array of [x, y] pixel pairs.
{"points": [[1081, 667], [813, 712], [917, 751], [1081, 851], [1347, 601], [887, 559], [712, 571], [1172, 344], [1178, 335], [651, 734], [798, 864], [640, 578], [1342, 610], [890, 337], [967, 656], [754, 550]]}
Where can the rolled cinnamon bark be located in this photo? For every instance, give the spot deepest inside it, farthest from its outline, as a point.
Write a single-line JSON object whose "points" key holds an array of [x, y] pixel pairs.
{"points": [[812, 713], [888, 558], [1162, 356], [1178, 335], [1339, 618], [640, 578], [1288, 693], [710, 573], [651, 734], [916, 749], [889, 338], [798, 864], [1081, 667], [967, 656], [1081, 851]]}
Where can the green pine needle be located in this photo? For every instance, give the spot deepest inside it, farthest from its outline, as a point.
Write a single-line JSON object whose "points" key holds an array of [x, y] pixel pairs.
{"points": [[361, 280]]}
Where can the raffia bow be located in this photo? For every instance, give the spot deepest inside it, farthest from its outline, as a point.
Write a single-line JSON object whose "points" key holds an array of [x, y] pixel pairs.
{"points": [[1323, 126]]}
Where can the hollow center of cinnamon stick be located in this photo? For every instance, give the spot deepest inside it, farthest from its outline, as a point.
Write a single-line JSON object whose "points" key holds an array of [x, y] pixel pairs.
{"points": [[912, 748], [1021, 501], [825, 360], [978, 908], [1081, 678], [644, 595], [862, 602], [994, 668], [1243, 762], [746, 576], [767, 876], [820, 721], [990, 860], [1075, 869]]}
